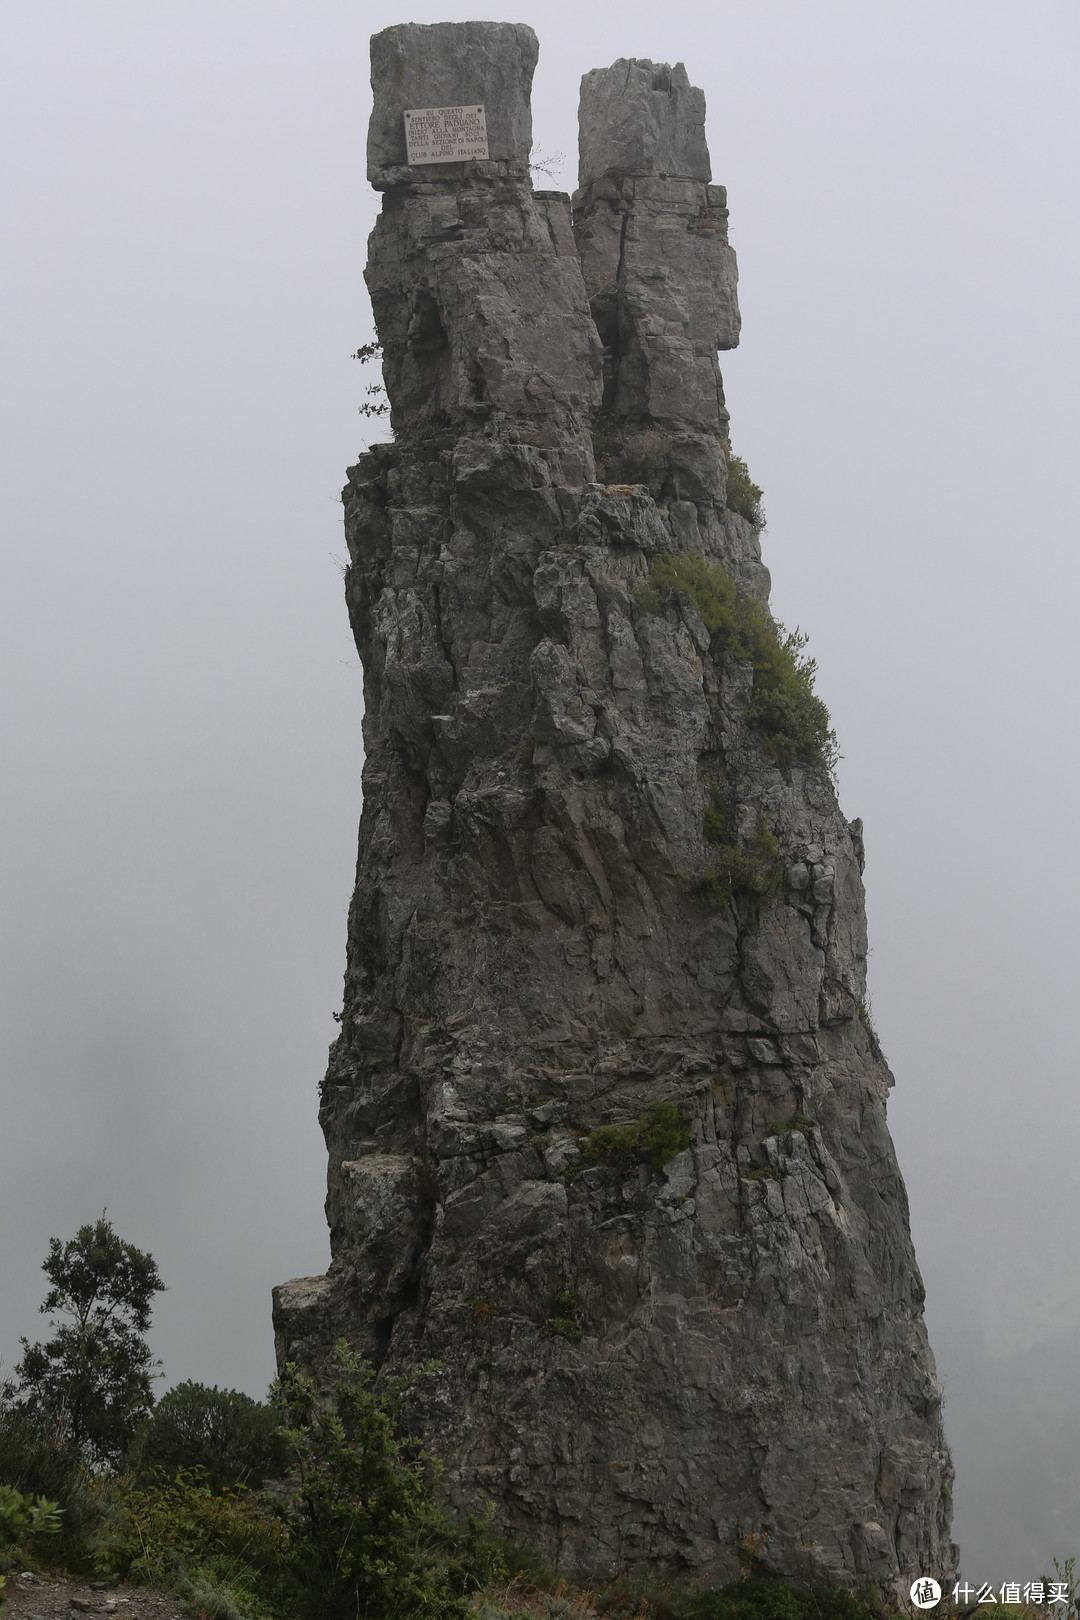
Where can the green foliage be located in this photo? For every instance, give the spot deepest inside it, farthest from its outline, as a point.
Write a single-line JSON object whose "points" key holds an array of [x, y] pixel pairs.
{"points": [[743, 495], [357, 1528], [760, 1598], [371, 406], [793, 722], [230, 1437], [39, 1458], [657, 1136], [563, 1327], [745, 868], [792, 1122], [36, 1453], [21, 1519], [1065, 1575], [97, 1368], [151, 1532]]}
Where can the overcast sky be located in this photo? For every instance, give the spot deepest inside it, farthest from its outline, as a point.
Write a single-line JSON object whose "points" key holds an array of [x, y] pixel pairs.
{"points": [[184, 215]]}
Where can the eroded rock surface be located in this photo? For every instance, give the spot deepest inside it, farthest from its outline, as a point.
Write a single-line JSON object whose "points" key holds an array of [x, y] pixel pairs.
{"points": [[640, 1367]]}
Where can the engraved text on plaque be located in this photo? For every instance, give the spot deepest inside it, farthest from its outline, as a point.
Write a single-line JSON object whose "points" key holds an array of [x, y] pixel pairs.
{"points": [[445, 134]]}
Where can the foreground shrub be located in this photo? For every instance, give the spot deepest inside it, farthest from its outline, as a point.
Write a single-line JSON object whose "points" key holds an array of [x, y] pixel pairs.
{"points": [[793, 722], [150, 1533], [760, 1598], [21, 1519], [228, 1436], [39, 1458], [364, 1534]]}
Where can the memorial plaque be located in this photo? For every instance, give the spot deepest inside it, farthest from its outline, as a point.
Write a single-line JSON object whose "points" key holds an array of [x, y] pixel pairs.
{"points": [[445, 134]]}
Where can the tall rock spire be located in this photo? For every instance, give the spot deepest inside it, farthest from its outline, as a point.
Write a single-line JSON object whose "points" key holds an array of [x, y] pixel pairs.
{"points": [[606, 1117]]}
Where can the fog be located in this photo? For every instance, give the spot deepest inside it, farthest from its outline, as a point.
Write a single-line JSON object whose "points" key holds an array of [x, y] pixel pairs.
{"points": [[184, 216]]}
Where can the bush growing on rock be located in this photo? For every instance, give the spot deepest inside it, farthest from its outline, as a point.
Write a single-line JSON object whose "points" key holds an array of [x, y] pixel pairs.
{"points": [[656, 1137], [743, 495], [793, 721]]}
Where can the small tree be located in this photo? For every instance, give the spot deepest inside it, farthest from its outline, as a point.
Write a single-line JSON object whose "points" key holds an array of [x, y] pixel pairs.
{"points": [[365, 1507], [223, 1432], [97, 1368]]}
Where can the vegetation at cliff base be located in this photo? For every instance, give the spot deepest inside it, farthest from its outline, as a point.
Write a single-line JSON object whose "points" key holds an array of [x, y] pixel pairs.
{"points": [[793, 721], [354, 1529]]}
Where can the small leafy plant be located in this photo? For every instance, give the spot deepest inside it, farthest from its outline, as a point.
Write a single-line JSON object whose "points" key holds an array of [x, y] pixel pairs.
{"points": [[373, 405], [22, 1518], [793, 1122]]}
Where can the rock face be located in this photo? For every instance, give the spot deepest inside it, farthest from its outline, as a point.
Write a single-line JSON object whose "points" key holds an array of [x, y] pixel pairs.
{"points": [[652, 1347]]}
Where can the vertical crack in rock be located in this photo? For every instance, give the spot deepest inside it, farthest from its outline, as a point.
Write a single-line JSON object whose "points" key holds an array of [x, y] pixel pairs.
{"points": [[611, 1151]]}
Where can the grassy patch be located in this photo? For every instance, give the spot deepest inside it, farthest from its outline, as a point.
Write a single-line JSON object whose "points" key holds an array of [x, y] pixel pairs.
{"points": [[793, 722], [745, 868], [656, 1137], [743, 495], [755, 1598], [793, 1122]]}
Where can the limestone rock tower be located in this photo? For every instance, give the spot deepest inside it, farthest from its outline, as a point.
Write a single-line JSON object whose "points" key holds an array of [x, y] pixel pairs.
{"points": [[606, 1119]]}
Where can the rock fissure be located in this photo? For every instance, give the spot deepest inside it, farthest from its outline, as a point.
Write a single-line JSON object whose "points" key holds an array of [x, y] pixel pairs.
{"points": [[652, 1347]]}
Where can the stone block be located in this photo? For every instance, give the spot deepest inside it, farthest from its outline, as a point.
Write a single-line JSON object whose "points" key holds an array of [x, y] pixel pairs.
{"points": [[642, 117], [450, 65]]}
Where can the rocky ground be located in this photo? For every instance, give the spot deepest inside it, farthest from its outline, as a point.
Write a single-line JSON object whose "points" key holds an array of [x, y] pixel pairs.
{"points": [[48, 1597]]}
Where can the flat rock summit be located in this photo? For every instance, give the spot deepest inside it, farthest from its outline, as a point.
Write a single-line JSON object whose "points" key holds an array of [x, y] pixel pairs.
{"points": [[606, 1117]]}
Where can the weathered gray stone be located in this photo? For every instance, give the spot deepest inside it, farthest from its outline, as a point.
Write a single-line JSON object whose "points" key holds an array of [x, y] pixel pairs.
{"points": [[642, 118], [450, 65], [640, 1368], [660, 274]]}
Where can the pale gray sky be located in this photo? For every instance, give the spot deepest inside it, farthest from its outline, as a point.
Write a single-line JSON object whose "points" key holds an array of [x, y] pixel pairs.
{"points": [[183, 216]]}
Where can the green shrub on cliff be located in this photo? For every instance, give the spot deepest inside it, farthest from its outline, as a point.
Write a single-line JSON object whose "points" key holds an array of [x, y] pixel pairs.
{"points": [[793, 721], [744, 867], [656, 1137], [743, 495]]}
